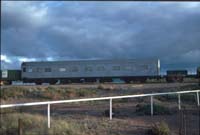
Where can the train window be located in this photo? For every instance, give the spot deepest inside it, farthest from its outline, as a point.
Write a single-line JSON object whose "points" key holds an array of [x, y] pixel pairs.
{"points": [[24, 69], [4, 74], [47, 70], [134, 68], [74, 69], [62, 69], [88, 69], [144, 67], [30, 70], [127, 67], [39, 69], [116, 67], [100, 68]]}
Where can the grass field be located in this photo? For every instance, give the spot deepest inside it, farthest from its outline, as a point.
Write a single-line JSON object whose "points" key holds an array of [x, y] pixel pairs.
{"points": [[132, 116]]}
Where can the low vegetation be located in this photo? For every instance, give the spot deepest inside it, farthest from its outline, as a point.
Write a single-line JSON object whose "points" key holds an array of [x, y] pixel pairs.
{"points": [[189, 87], [160, 128], [91, 123], [37, 124], [156, 80], [102, 87], [145, 109], [44, 93], [189, 97]]}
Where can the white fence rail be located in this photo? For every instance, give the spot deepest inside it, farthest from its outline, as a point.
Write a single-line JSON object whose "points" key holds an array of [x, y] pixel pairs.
{"points": [[48, 103]]}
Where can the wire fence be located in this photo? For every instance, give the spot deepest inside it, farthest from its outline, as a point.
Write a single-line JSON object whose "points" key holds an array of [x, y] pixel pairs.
{"points": [[184, 128]]}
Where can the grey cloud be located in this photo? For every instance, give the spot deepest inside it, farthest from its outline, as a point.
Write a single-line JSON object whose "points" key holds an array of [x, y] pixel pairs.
{"points": [[77, 30]]}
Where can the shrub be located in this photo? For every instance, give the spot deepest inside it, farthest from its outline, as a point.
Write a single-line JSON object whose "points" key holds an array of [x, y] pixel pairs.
{"points": [[37, 124], [184, 97], [188, 97], [64, 128], [12, 92], [172, 97], [159, 129], [50, 93], [102, 87], [85, 92], [122, 100], [142, 109]]}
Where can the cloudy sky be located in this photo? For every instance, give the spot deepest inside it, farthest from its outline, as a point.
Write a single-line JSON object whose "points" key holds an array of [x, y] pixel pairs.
{"points": [[33, 31]]}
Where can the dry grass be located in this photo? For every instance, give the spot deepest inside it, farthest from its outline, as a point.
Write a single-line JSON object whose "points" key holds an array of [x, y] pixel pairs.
{"points": [[44, 93], [160, 128], [37, 124], [124, 124], [107, 88], [145, 109]]}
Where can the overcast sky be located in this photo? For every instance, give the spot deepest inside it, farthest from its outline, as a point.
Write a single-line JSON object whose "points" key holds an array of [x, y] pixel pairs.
{"points": [[33, 31]]}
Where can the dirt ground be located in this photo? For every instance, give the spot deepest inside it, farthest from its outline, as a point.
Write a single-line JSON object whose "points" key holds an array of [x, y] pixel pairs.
{"points": [[126, 121]]}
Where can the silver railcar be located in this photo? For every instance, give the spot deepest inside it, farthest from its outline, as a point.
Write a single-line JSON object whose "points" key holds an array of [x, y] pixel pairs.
{"points": [[89, 70]]}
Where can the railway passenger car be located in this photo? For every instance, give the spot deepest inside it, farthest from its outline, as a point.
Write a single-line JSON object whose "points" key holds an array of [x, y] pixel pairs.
{"points": [[198, 74], [176, 75], [89, 71], [7, 76]]}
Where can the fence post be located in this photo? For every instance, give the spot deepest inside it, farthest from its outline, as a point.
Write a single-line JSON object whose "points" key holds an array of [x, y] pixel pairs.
{"points": [[197, 98], [179, 101], [111, 109], [19, 127], [151, 105], [48, 115]]}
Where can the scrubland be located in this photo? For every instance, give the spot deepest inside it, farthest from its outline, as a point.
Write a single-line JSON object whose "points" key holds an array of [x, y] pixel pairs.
{"points": [[131, 116]]}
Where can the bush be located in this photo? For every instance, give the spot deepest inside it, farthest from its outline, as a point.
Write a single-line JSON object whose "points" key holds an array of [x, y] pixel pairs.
{"points": [[184, 97], [37, 124], [159, 129], [12, 92], [102, 87], [85, 92], [122, 100], [50, 93], [188, 97], [142, 109], [70, 93], [167, 98]]}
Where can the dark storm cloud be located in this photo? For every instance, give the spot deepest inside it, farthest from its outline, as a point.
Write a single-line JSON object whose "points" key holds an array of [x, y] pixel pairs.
{"points": [[82, 30]]}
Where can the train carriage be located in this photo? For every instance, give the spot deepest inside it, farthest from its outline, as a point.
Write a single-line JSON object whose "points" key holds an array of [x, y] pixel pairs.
{"points": [[198, 74], [90, 70], [7, 76], [176, 75]]}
